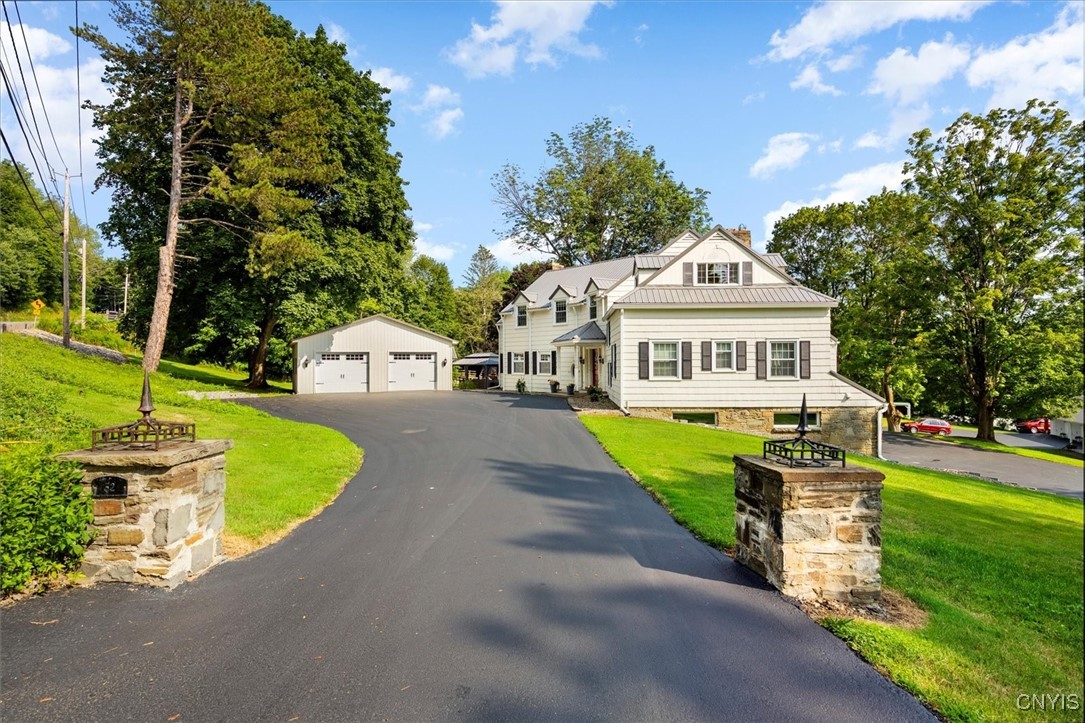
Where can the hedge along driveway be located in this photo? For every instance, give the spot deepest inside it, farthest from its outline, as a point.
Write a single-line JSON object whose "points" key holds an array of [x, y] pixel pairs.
{"points": [[999, 570], [278, 473]]}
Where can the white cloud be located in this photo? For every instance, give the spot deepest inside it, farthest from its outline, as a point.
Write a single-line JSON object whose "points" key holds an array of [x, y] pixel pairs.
{"points": [[907, 78], [810, 78], [391, 80], [534, 32], [871, 139], [903, 122], [444, 123], [438, 96], [422, 247], [337, 33], [1045, 65], [853, 187], [507, 252], [422, 227], [753, 97], [638, 37], [41, 42], [845, 62], [783, 151], [828, 23], [831, 146]]}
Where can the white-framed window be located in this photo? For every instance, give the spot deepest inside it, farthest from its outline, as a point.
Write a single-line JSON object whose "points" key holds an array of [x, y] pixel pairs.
{"points": [[664, 359], [783, 360], [593, 307], [561, 313], [517, 363], [718, 273], [790, 420], [521, 316], [723, 356], [544, 363]]}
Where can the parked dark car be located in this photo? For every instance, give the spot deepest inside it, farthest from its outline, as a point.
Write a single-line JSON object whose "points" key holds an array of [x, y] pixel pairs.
{"points": [[928, 426], [1040, 425]]}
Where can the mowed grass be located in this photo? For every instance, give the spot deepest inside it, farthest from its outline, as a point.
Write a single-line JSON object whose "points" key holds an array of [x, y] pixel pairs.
{"points": [[998, 569], [278, 473]]}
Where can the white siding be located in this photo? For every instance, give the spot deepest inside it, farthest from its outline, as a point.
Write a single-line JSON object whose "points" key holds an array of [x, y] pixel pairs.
{"points": [[538, 337], [377, 337], [720, 249], [679, 245], [733, 389]]}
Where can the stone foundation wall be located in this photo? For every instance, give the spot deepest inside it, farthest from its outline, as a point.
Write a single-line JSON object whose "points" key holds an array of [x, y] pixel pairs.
{"points": [[812, 533], [853, 428], [169, 526]]}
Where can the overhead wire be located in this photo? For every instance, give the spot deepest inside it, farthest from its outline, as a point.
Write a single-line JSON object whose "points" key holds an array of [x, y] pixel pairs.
{"points": [[22, 127], [34, 74], [29, 192], [78, 114], [26, 90]]}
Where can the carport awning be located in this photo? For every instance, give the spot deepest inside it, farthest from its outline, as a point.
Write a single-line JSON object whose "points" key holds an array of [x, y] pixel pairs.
{"points": [[480, 360]]}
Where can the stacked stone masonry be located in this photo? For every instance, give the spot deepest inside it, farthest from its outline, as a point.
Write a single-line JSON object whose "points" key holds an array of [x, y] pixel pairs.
{"points": [[853, 428], [169, 526], [813, 533]]}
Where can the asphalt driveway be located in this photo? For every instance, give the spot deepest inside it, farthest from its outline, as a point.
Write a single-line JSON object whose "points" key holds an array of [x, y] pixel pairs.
{"points": [[1036, 474], [488, 562]]}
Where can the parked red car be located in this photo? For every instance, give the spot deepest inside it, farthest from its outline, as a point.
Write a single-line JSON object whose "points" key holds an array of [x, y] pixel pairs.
{"points": [[928, 426], [1040, 425]]}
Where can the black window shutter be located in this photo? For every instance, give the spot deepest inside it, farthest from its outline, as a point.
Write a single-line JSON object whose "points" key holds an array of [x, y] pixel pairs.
{"points": [[687, 360], [527, 357], [804, 360], [499, 364], [509, 368], [687, 274], [706, 356], [554, 363], [762, 362], [642, 360], [534, 362], [740, 356], [747, 273]]}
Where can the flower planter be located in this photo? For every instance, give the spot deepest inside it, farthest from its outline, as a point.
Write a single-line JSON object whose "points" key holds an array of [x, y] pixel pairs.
{"points": [[571, 388], [554, 387]]}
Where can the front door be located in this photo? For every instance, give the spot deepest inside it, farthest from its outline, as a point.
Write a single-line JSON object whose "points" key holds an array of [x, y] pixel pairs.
{"points": [[594, 368]]}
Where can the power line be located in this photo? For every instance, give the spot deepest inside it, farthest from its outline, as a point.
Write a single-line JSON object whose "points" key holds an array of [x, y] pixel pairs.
{"points": [[26, 90], [34, 74], [19, 120], [29, 192], [78, 114]]}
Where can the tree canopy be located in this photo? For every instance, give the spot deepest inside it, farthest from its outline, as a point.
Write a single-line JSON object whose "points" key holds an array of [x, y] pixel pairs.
{"points": [[484, 283], [603, 198]]}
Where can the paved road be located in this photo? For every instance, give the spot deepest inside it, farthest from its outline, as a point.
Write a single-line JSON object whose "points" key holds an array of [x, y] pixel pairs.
{"points": [[488, 562], [1037, 474]]}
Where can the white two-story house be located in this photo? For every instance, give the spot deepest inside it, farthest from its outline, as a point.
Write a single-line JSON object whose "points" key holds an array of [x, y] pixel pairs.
{"points": [[705, 325]]}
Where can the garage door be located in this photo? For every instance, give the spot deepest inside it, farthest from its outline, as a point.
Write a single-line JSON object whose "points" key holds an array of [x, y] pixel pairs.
{"points": [[411, 372], [342, 372]]}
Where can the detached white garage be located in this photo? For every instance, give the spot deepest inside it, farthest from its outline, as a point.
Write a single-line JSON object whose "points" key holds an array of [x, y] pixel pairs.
{"points": [[374, 354]]}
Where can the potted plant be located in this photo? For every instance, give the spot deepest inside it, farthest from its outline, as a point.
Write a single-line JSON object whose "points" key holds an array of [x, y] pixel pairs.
{"points": [[571, 388], [521, 386], [554, 384]]}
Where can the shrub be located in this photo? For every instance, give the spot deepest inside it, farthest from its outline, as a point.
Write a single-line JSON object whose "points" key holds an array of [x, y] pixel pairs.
{"points": [[45, 516], [596, 394], [521, 386], [468, 384]]}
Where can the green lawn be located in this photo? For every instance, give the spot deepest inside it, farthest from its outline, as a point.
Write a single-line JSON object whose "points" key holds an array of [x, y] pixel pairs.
{"points": [[279, 472], [998, 569], [1048, 455]]}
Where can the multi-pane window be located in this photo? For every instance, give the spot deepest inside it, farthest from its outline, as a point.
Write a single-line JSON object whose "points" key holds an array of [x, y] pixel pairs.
{"points": [[521, 316], [560, 311], [517, 363], [665, 359], [723, 356], [544, 362], [782, 358], [717, 273], [593, 307]]}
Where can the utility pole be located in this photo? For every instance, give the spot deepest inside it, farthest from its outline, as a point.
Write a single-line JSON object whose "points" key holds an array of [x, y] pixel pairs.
{"points": [[67, 301], [83, 294], [126, 290]]}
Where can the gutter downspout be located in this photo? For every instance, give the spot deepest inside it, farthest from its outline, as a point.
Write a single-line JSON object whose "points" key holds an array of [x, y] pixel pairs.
{"points": [[621, 380], [878, 450]]}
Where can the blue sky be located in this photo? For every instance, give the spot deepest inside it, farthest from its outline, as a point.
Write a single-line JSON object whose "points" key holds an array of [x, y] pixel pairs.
{"points": [[768, 106]]}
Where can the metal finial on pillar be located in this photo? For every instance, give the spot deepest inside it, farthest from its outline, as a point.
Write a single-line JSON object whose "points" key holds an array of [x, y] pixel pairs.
{"points": [[803, 427], [146, 406]]}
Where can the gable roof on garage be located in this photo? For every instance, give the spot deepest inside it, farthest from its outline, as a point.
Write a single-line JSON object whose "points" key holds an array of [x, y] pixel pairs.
{"points": [[383, 317]]}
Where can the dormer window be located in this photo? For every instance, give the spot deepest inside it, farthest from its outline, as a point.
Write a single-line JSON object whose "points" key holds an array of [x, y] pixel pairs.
{"points": [[560, 312], [593, 307], [718, 274], [521, 316]]}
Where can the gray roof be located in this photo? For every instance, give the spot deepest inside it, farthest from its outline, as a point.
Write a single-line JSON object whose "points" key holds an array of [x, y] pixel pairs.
{"points": [[760, 295], [481, 359], [776, 260], [651, 261], [588, 332], [603, 283], [577, 277]]}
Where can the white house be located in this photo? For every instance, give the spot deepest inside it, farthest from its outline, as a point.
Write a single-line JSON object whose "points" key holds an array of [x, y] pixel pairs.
{"points": [[1069, 427], [706, 324], [374, 354]]}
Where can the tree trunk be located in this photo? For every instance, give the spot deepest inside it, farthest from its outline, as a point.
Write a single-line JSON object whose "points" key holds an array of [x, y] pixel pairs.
{"points": [[985, 419], [892, 414], [257, 368], [167, 254]]}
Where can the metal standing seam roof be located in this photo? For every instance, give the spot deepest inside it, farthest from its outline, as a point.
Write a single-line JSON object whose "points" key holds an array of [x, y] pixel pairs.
{"points": [[578, 277], [603, 283], [651, 261], [776, 260], [589, 332], [763, 295]]}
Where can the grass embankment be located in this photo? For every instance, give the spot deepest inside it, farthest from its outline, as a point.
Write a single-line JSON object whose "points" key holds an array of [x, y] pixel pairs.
{"points": [[278, 473], [1046, 454], [998, 569]]}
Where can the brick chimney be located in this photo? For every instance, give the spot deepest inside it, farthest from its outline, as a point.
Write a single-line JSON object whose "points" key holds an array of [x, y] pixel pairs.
{"points": [[742, 234], [555, 266]]}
